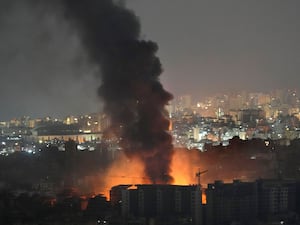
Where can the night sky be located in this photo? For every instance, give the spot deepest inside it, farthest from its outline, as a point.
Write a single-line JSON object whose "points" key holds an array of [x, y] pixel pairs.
{"points": [[205, 47]]}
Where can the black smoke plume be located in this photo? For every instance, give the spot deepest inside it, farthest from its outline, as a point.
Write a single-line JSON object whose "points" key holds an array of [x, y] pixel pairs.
{"points": [[133, 96]]}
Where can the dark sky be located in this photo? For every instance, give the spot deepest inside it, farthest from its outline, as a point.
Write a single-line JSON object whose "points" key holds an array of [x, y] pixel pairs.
{"points": [[205, 47]]}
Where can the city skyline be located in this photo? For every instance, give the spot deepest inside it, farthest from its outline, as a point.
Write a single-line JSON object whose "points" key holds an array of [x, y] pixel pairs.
{"points": [[204, 48], [225, 101]]}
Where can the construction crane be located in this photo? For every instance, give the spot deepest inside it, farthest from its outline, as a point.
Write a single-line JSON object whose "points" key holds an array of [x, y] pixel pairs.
{"points": [[198, 175]]}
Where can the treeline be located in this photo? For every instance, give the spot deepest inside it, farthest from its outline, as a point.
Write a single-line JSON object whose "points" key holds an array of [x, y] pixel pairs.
{"points": [[24, 170]]}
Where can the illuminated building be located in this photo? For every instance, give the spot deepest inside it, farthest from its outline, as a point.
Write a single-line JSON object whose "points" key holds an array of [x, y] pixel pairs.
{"points": [[183, 102], [236, 102], [196, 132], [70, 120], [263, 99], [64, 132], [31, 123]]}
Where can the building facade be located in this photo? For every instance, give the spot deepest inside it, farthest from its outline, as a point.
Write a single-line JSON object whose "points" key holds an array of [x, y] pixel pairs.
{"points": [[172, 203], [231, 202]]}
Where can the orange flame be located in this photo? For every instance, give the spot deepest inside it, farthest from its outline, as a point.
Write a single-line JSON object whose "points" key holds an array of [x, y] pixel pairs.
{"points": [[203, 198], [123, 171], [183, 170], [131, 171]]}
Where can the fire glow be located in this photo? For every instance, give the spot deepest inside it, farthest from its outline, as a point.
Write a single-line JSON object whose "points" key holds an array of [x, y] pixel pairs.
{"points": [[130, 171]]}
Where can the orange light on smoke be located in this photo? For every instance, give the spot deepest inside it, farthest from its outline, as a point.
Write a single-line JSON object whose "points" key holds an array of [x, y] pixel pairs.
{"points": [[183, 171], [131, 171], [123, 171], [170, 125]]}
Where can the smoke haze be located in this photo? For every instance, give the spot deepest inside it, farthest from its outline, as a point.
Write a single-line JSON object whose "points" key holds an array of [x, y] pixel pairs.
{"points": [[206, 48], [132, 94], [43, 66]]}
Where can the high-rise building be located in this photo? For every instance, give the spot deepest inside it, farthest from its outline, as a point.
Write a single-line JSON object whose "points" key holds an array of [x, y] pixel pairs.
{"points": [[231, 202], [196, 133], [163, 202], [276, 198], [183, 102], [264, 200], [251, 116]]}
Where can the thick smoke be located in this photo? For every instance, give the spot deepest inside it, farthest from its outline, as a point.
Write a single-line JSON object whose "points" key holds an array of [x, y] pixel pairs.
{"points": [[133, 96]]}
